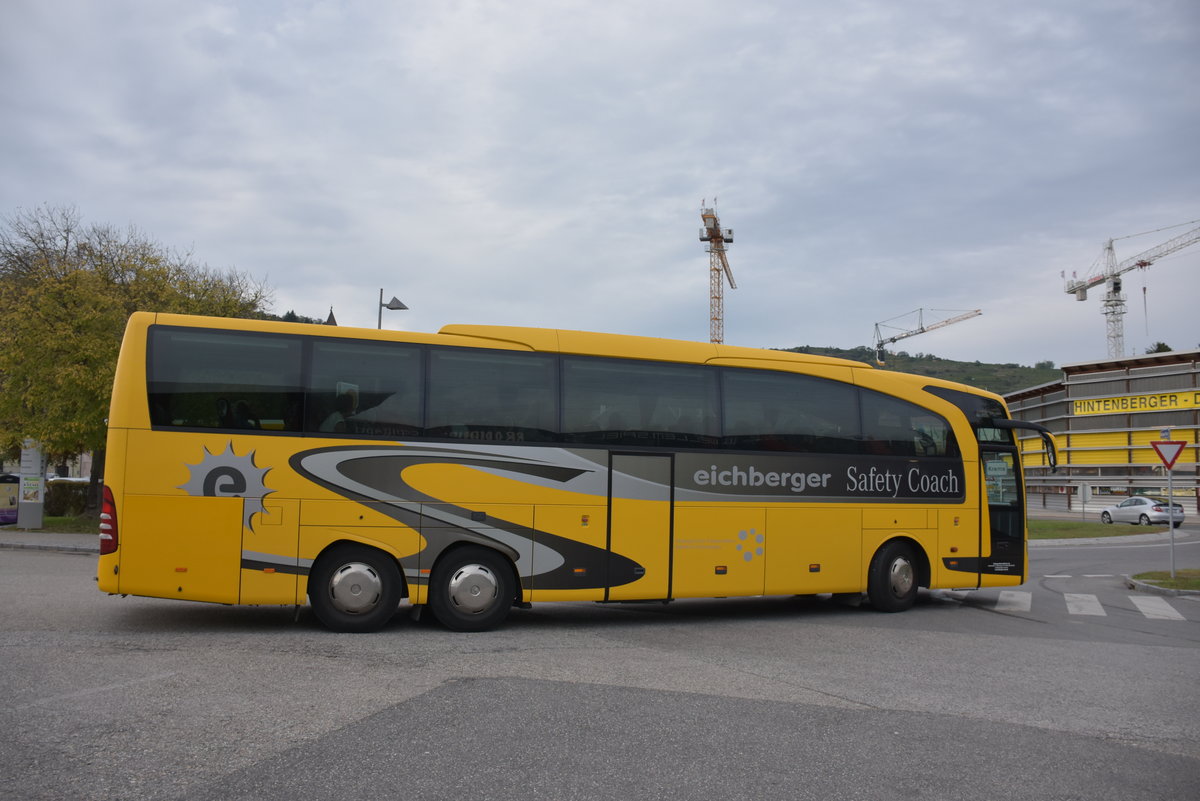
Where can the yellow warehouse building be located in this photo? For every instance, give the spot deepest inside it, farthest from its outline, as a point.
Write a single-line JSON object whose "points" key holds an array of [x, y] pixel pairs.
{"points": [[1104, 416]]}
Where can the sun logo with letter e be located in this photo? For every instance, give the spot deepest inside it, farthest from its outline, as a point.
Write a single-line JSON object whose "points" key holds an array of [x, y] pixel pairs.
{"points": [[227, 475]]}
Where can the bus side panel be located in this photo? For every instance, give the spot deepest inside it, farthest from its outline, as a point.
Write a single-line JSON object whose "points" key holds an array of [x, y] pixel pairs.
{"points": [[814, 550], [274, 540], [443, 525], [925, 535], [958, 545], [586, 524], [324, 522], [640, 530], [720, 551], [1000, 580], [181, 547]]}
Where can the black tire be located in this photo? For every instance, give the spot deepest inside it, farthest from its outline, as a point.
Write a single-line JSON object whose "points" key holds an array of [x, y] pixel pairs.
{"points": [[1105, 517], [471, 589], [354, 588], [892, 578], [1144, 520], [1178, 523]]}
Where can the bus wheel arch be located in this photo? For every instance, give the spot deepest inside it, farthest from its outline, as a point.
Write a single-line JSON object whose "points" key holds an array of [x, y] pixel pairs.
{"points": [[354, 587], [897, 569], [472, 587]]}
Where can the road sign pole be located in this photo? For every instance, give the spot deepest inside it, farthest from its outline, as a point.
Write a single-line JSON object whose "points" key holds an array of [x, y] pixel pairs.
{"points": [[1171, 515], [1168, 451]]}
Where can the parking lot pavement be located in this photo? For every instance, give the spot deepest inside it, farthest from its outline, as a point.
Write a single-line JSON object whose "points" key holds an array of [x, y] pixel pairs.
{"points": [[12, 539]]}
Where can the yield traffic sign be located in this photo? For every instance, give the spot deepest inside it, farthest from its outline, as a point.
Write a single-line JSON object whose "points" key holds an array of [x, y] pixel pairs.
{"points": [[1168, 451]]}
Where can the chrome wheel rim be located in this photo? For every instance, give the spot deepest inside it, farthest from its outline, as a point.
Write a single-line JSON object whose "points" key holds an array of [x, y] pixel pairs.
{"points": [[473, 589], [900, 577], [355, 588]]}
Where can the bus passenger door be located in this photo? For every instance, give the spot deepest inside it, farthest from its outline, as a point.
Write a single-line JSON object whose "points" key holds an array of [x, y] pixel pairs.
{"points": [[640, 502], [1003, 551]]}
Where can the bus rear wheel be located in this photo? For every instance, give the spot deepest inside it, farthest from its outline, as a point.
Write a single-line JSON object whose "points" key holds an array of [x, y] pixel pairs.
{"points": [[892, 578], [354, 588], [471, 589]]}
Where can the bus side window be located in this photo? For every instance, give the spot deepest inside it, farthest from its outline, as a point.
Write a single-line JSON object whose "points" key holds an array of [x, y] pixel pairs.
{"points": [[894, 427], [766, 410], [365, 388], [499, 396], [235, 380], [625, 402]]}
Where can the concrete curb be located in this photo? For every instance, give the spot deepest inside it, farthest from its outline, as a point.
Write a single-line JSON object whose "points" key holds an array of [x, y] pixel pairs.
{"points": [[14, 539], [29, 546], [1117, 539], [1142, 586]]}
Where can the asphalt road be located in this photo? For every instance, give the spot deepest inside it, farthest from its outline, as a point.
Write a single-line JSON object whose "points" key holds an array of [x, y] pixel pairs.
{"points": [[964, 695]]}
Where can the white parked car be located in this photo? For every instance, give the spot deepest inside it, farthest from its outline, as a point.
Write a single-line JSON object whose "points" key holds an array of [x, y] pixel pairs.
{"points": [[1142, 510]]}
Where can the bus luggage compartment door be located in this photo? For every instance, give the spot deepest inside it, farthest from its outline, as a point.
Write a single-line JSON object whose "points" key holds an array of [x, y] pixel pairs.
{"points": [[640, 519]]}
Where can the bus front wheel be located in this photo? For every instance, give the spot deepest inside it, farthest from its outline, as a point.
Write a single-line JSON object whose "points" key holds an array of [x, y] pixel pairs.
{"points": [[354, 588], [892, 578], [471, 589]]}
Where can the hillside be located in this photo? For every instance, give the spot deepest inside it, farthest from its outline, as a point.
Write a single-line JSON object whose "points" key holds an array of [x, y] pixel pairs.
{"points": [[999, 378]]}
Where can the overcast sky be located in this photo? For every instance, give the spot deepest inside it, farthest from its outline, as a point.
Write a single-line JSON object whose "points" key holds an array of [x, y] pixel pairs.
{"points": [[543, 163]]}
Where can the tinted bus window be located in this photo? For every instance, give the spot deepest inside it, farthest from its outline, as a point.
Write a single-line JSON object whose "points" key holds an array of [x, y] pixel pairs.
{"points": [[897, 428], [224, 379], [978, 410], [785, 412], [365, 388], [492, 395], [616, 402]]}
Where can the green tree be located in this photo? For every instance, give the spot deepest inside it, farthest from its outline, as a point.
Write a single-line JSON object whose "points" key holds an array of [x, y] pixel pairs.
{"points": [[1159, 347], [66, 290]]}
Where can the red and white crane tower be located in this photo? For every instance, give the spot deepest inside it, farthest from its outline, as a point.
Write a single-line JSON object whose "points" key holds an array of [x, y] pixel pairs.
{"points": [[718, 269], [1107, 270]]}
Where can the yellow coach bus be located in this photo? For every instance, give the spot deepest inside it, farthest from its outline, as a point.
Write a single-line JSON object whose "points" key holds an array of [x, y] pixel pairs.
{"points": [[484, 467]]}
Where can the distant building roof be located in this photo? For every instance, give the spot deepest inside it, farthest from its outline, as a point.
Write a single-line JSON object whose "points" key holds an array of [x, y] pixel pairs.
{"points": [[1104, 366], [1146, 360]]}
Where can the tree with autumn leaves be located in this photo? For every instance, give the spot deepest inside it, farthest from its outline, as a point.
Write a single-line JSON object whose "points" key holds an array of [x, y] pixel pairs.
{"points": [[66, 290]]}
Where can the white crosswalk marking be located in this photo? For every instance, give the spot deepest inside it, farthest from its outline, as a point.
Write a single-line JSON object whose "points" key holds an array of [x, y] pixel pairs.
{"points": [[1014, 601], [1155, 608], [1079, 603]]}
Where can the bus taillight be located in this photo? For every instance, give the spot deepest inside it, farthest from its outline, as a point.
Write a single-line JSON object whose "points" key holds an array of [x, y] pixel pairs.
{"points": [[108, 523]]}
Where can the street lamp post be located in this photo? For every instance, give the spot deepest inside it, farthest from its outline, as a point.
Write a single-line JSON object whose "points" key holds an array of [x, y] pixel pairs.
{"points": [[394, 304]]}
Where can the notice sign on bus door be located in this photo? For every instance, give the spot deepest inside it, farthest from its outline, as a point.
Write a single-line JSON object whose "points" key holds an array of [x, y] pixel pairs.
{"points": [[1168, 451]]}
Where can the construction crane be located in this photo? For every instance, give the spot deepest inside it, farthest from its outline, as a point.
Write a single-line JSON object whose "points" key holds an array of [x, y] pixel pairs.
{"points": [[718, 269], [1109, 272], [881, 340]]}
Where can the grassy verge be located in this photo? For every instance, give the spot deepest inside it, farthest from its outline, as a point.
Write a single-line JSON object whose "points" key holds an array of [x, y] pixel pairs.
{"points": [[1071, 529], [1184, 579], [83, 524]]}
